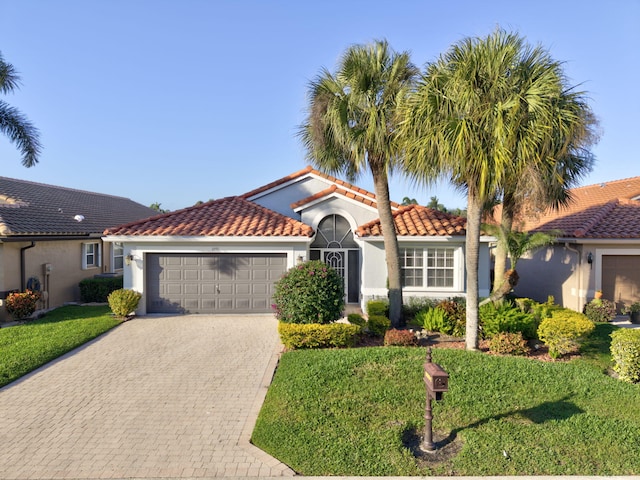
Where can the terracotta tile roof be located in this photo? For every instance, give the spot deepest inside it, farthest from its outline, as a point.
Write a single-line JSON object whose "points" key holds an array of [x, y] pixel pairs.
{"points": [[329, 191], [230, 216], [354, 191], [605, 210], [36, 209], [416, 220]]}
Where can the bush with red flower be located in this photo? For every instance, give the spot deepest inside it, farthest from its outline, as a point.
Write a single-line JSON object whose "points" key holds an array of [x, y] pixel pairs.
{"points": [[22, 304]]}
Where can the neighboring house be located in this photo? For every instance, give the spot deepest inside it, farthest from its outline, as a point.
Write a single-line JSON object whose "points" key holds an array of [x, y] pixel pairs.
{"points": [[598, 248], [225, 255], [50, 237]]}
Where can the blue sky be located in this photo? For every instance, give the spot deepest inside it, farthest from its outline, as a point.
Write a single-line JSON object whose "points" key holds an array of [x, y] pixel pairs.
{"points": [[186, 100]]}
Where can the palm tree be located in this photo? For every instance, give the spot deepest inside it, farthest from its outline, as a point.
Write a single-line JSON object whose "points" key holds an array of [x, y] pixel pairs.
{"points": [[13, 123], [556, 131], [350, 128], [462, 124]]}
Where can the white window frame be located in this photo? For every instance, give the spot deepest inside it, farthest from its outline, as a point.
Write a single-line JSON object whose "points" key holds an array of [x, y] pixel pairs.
{"points": [[457, 268], [91, 255], [117, 253]]}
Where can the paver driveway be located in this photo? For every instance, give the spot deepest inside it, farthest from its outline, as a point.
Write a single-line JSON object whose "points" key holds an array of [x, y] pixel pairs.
{"points": [[155, 397]]}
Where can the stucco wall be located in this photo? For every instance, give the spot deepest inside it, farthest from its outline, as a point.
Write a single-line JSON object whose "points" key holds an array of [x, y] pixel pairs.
{"points": [[281, 199], [65, 258]]}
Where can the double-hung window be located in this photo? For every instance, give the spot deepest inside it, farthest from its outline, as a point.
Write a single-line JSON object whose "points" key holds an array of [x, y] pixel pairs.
{"points": [[430, 267], [90, 255]]}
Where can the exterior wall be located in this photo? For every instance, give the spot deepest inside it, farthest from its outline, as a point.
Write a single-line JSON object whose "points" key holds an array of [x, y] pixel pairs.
{"points": [[374, 270], [135, 273], [354, 213], [563, 271], [280, 200], [65, 258]]}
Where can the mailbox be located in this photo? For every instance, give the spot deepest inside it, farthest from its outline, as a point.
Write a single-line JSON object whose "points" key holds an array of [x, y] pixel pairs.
{"points": [[437, 380]]}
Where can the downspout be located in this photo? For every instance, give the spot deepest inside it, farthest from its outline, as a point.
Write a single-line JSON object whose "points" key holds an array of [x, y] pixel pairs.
{"points": [[22, 264], [579, 255]]}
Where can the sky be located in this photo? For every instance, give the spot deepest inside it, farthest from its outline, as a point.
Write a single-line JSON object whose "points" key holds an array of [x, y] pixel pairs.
{"points": [[189, 100]]}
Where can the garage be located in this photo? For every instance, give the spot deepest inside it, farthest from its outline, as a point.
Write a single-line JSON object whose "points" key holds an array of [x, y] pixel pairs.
{"points": [[621, 279], [212, 283]]}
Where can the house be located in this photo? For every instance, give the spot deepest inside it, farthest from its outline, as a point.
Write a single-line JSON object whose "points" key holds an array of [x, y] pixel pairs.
{"points": [[598, 248], [225, 255], [50, 238]]}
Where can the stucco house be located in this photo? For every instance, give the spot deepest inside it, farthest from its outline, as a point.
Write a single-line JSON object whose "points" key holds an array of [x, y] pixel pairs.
{"points": [[598, 248], [225, 255], [50, 237]]}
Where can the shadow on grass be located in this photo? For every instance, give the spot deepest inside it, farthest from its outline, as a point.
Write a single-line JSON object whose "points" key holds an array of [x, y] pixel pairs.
{"points": [[559, 410]]}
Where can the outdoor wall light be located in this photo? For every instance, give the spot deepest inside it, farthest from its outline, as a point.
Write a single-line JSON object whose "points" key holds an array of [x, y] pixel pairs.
{"points": [[128, 259], [300, 259], [589, 258]]}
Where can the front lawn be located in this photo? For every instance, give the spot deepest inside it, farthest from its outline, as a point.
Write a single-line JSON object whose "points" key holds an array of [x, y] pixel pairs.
{"points": [[357, 411], [26, 347]]}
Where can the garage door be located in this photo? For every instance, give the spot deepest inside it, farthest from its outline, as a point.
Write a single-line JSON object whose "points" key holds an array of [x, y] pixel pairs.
{"points": [[621, 279], [212, 283]]}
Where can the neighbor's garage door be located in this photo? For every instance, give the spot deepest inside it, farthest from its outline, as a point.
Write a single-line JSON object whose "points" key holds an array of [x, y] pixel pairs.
{"points": [[212, 283], [621, 279]]}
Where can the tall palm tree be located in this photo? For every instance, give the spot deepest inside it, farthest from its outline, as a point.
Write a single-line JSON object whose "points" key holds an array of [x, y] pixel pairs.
{"points": [[350, 128], [556, 130], [462, 124], [13, 123]]}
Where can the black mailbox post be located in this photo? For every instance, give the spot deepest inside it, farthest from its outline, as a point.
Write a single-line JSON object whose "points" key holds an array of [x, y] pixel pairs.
{"points": [[437, 382]]}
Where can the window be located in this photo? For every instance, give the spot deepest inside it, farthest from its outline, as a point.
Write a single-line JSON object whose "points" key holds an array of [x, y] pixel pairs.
{"points": [[432, 267], [90, 255], [118, 256]]}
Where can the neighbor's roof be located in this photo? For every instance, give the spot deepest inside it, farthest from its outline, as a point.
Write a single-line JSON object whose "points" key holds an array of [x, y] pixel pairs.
{"points": [[36, 209], [340, 186], [230, 217], [416, 220], [605, 210]]}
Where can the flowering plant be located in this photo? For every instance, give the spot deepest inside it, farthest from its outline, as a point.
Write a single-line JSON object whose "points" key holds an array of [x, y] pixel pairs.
{"points": [[22, 304], [629, 309]]}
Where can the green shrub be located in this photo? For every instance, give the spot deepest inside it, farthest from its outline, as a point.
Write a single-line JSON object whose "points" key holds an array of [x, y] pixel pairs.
{"points": [[22, 304], [97, 289], [434, 320], [507, 343], [356, 319], [123, 302], [625, 351], [401, 338], [378, 325], [414, 305], [378, 307], [564, 331], [311, 292], [506, 318], [456, 311], [316, 335], [600, 310]]}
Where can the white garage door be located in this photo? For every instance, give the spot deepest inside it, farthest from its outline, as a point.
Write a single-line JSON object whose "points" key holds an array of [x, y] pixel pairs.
{"points": [[212, 283]]}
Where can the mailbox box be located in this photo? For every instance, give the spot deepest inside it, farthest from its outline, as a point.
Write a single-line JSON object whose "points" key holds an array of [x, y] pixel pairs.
{"points": [[437, 380]]}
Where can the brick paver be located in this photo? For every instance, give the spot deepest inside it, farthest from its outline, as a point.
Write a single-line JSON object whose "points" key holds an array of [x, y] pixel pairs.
{"points": [[156, 397]]}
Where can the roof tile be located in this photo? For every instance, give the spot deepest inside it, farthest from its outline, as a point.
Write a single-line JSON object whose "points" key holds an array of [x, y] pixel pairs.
{"points": [[416, 220], [230, 216]]}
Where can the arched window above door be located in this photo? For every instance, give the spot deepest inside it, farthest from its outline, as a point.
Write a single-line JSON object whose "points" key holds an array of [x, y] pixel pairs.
{"points": [[334, 231]]}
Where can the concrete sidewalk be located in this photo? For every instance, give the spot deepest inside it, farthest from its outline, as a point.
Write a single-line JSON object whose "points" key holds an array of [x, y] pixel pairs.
{"points": [[156, 397]]}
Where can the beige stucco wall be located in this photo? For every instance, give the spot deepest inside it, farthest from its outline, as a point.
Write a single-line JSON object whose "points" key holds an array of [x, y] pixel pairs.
{"points": [[65, 258]]}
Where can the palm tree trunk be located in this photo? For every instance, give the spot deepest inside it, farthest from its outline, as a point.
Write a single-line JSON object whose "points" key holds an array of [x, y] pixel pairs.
{"points": [[474, 214], [391, 249], [500, 255]]}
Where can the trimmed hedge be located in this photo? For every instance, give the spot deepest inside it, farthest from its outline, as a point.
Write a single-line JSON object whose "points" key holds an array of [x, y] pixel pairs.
{"points": [[316, 335], [400, 338], [378, 307], [564, 331], [123, 302], [625, 351], [97, 289], [378, 325]]}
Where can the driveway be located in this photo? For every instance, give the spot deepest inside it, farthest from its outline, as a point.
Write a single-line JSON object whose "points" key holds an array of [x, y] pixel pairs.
{"points": [[155, 397]]}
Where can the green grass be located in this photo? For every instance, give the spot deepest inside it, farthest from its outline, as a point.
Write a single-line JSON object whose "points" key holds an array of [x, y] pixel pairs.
{"points": [[346, 412], [26, 347]]}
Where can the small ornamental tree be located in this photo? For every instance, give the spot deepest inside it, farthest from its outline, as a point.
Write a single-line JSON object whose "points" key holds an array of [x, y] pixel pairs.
{"points": [[311, 292]]}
